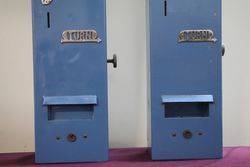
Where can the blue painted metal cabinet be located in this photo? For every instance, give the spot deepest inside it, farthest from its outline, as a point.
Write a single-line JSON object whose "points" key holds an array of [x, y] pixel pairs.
{"points": [[70, 73], [185, 79]]}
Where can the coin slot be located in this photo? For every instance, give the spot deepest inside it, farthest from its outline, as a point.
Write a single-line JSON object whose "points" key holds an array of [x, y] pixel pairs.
{"points": [[165, 8], [48, 19]]}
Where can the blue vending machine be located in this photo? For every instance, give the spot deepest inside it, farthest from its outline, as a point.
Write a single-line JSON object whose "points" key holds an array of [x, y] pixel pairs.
{"points": [[185, 79], [70, 76]]}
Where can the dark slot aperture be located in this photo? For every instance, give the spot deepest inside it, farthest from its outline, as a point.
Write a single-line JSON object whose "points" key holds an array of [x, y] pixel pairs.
{"points": [[48, 19], [165, 8], [70, 112], [182, 110]]}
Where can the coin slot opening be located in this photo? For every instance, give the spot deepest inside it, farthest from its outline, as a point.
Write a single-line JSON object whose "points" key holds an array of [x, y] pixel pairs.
{"points": [[165, 8], [48, 19]]}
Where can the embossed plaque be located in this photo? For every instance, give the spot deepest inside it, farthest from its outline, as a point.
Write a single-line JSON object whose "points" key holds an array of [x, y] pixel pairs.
{"points": [[80, 36], [197, 36]]}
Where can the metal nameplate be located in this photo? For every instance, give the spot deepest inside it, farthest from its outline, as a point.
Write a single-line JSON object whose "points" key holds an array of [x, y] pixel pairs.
{"points": [[46, 2], [197, 36], [80, 36]]}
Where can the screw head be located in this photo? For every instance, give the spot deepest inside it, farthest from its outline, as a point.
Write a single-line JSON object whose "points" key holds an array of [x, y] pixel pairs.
{"points": [[46, 2], [174, 134], [85, 136]]}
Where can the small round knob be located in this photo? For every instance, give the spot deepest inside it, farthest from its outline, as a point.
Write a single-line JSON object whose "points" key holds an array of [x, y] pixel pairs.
{"points": [[71, 138], [187, 134]]}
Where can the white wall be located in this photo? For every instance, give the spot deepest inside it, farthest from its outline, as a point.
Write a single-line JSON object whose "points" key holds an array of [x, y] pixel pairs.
{"points": [[236, 71], [16, 77], [127, 84]]}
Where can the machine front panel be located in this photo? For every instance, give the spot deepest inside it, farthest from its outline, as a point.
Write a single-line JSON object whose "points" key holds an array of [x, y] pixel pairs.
{"points": [[70, 66], [185, 79]]}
